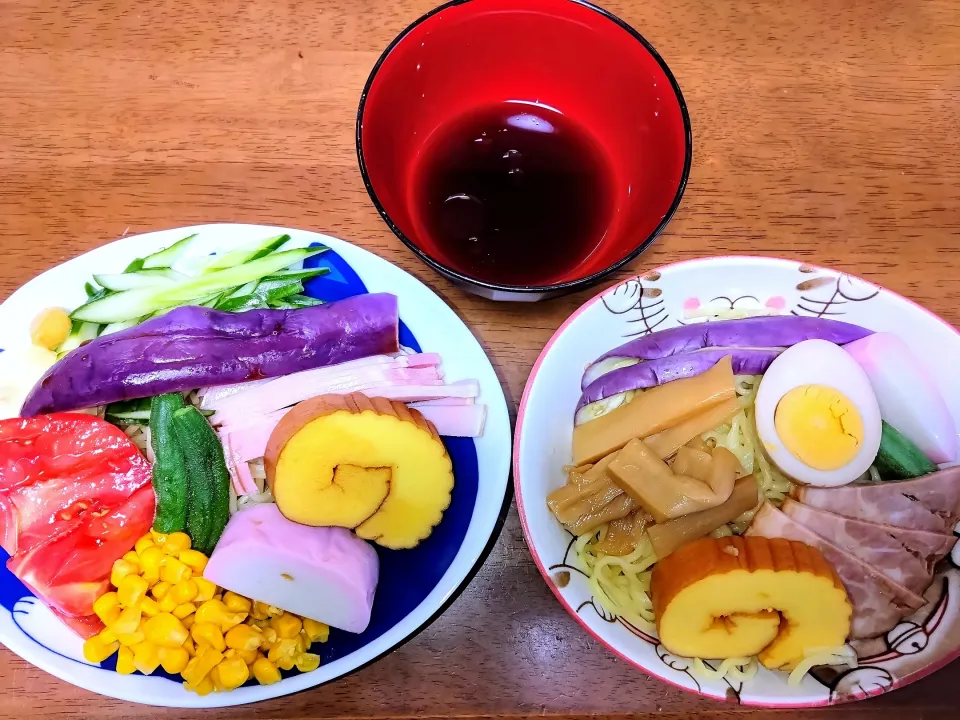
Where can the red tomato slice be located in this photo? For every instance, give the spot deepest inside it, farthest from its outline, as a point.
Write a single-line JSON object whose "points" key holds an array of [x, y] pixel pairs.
{"points": [[75, 495]]}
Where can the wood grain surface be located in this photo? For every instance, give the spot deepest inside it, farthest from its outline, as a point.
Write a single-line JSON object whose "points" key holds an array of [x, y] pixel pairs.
{"points": [[823, 130]]}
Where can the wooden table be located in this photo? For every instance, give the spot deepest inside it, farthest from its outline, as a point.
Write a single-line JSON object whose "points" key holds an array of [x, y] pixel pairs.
{"points": [[823, 130]]}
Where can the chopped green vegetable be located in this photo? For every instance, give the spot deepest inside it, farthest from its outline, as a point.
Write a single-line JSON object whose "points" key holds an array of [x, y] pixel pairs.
{"points": [[118, 326], [131, 304], [80, 333], [135, 266], [299, 274], [898, 458], [246, 254], [142, 279], [168, 256], [302, 301], [169, 466], [208, 482]]}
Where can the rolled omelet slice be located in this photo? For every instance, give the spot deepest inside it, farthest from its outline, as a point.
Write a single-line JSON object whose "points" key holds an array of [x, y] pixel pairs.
{"points": [[369, 464], [729, 597]]}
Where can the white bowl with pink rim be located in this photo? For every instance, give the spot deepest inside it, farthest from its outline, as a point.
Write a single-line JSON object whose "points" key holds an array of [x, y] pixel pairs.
{"points": [[700, 291]]}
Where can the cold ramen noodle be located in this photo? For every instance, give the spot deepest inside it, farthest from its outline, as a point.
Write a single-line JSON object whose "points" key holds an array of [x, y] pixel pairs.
{"points": [[763, 491], [198, 463]]}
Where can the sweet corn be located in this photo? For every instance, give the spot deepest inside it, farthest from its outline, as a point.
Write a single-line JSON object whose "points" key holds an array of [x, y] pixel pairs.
{"points": [[216, 612], [132, 557], [146, 657], [190, 646], [95, 650], [307, 662], [165, 630], [121, 568], [125, 664], [204, 688], [107, 608], [176, 543], [168, 604], [199, 667], [303, 642], [160, 590], [128, 622], [259, 611], [284, 648], [286, 625], [205, 589], [189, 620], [195, 560], [131, 590], [173, 660], [265, 671], [214, 677], [149, 606], [184, 610], [274, 611], [108, 636], [248, 656], [206, 633], [131, 639], [233, 673], [243, 637], [316, 631], [158, 537], [184, 591], [173, 571], [150, 560], [286, 662], [270, 635], [236, 603], [143, 543]]}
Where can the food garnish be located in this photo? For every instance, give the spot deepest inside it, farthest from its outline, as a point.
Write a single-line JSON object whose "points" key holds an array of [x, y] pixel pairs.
{"points": [[734, 597]]}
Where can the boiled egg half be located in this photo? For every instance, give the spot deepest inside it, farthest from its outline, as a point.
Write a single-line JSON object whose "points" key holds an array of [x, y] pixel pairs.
{"points": [[817, 415]]}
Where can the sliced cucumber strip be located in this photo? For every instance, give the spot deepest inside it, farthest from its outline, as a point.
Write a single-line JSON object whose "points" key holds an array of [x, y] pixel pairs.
{"points": [[80, 333], [299, 274], [142, 279], [135, 266], [118, 326], [168, 256], [302, 301], [131, 304], [245, 254]]}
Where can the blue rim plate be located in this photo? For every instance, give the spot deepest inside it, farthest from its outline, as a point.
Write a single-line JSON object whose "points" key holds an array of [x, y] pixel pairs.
{"points": [[415, 585]]}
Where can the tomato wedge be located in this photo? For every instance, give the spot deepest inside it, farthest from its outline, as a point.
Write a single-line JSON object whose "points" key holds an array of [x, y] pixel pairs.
{"points": [[75, 495]]}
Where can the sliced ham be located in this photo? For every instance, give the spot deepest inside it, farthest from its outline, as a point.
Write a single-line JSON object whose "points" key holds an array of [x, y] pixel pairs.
{"points": [[905, 556], [931, 502], [878, 602]]}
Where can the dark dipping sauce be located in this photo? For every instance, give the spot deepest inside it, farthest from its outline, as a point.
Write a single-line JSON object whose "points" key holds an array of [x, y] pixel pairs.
{"points": [[513, 194]]}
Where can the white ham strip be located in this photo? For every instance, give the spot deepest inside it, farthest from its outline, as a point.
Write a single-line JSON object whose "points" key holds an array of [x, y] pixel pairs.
{"points": [[443, 402], [456, 420], [413, 394], [295, 388], [239, 471]]}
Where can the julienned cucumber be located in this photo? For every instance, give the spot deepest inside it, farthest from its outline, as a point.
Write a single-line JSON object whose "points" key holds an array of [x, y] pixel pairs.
{"points": [[168, 256], [169, 471], [131, 304], [208, 483], [898, 458], [245, 254]]}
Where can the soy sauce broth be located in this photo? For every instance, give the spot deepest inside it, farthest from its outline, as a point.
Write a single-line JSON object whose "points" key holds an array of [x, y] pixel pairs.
{"points": [[513, 194]]}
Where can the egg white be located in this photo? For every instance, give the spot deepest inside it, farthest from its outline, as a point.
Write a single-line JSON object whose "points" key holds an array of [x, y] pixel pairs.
{"points": [[817, 362]]}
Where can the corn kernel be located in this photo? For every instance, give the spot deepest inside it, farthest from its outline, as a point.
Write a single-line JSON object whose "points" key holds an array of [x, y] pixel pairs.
{"points": [[176, 543], [128, 622], [199, 667], [121, 568], [132, 557], [173, 571], [233, 673], [270, 635], [236, 603], [146, 657], [286, 662], [307, 662], [286, 625], [131, 590], [158, 537], [160, 590], [131, 639], [189, 620], [248, 656], [206, 633], [265, 671], [173, 660], [184, 610], [184, 591], [205, 589], [165, 630], [214, 677], [214, 611], [274, 611], [195, 560], [190, 646], [284, 648], [149, 607], [125, 664], [107, 607], [243, 637], [108, 636], [316, 631], [204, 688], [303, 642], [95, 650], [259, 611], [143, 543], [150, 560], [50, 328], [168, 604]]}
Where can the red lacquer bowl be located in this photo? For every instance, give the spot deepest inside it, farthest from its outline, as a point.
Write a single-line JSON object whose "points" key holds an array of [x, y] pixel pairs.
{"points": [[566, 54]]}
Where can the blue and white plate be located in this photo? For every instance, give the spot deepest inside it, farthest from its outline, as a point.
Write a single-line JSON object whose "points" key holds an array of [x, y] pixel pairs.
{"points": [[415, 585]]}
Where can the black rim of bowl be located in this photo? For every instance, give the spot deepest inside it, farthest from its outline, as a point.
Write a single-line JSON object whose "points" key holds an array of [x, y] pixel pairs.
{"points": [[570, 285]]}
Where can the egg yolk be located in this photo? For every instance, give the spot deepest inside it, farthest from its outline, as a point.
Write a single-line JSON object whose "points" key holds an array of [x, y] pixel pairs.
{"points": [[819, 426]]}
